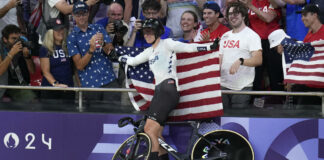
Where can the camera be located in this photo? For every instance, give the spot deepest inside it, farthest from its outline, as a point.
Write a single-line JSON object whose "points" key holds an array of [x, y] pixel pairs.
{"points": [[24, 42], [119, 27]]}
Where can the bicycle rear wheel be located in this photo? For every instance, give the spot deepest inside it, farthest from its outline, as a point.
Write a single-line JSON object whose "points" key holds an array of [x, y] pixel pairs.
{"points": [[229, 143], [136, 147]]}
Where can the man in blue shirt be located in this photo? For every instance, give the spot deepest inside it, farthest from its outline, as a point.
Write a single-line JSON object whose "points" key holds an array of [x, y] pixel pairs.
{"points": [[151, 9], [114, 24], [89, 46]]}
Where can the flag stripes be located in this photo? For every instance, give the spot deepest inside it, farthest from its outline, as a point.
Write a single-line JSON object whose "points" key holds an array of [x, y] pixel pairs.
{"points": [[199, 84]]}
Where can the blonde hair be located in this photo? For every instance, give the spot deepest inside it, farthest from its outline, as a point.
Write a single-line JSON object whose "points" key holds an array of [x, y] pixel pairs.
{"points": [[49, 42]]}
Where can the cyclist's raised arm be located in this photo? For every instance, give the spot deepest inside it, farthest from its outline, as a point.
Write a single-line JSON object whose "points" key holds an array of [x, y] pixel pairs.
{"points": [[180, 47], [139, 59]]}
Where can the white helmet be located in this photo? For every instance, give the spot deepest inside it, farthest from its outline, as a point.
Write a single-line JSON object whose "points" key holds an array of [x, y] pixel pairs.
{"points": [[276, 37]]}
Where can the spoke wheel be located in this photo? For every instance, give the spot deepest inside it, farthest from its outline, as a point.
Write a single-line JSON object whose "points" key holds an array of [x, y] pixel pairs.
{"points": [[231, 145], [136, 147]]}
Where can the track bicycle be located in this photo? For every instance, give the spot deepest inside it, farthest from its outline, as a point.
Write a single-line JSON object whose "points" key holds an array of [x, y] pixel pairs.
{"points": [[218, 144]]}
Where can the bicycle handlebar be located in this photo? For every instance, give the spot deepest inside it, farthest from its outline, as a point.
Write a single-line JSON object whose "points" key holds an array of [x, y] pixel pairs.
{"points": [[125, 121]]}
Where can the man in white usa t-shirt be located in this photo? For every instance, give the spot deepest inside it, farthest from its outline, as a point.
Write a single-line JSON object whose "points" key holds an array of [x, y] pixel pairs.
{"points": [[240, 52]]}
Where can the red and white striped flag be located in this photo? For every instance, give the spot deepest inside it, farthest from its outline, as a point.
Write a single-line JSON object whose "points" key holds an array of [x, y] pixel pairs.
{"points": [[199, 82], [304, 62], [36, 14]]}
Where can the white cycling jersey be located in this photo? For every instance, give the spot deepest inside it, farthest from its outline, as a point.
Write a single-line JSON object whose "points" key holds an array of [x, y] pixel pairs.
{"points": [[162, 59]]}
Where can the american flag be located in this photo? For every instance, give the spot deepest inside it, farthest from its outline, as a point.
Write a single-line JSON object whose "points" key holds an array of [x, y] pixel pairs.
{"points": [[199, 82], [36, 14], [303, 63]]}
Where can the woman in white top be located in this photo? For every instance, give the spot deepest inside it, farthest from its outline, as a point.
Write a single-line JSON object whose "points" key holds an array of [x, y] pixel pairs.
{"points": [[162, 61]]}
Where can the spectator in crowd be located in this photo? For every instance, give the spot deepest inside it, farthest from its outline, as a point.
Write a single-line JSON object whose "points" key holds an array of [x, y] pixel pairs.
{"points": [[116, 28], [151, 9], [173, 9], [8, 14], [211, 15], [263, 20], [311, 19], [189, 25], [55, 63], [89, 45], [16, 59], [240, 51], [223, 11]]}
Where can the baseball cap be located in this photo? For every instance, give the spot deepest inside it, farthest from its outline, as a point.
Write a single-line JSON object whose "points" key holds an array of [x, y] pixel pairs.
{"points": [[55, 24], [80, 6], [276, 37], [213, 6], [310, 8]]}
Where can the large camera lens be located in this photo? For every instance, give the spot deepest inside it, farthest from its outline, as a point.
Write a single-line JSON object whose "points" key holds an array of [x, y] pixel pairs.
{"points": [[120, 28], [24, 42]]}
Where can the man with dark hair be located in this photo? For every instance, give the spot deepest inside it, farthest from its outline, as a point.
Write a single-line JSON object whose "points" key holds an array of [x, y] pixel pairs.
{"points": [[211, 15], [240, 52], [311, 19], [151, 9], [15, 63]]}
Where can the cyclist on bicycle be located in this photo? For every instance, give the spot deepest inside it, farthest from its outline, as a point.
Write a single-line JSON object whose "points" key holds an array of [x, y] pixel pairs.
{"points": [[162, 61]]}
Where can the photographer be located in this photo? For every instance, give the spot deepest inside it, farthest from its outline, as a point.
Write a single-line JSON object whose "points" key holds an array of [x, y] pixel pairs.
{"points": [[16, 59], [151, 9], [116, 28]]}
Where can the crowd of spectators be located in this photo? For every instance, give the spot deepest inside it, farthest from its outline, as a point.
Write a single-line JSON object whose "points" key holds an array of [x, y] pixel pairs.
{"points": [[73, 45]]}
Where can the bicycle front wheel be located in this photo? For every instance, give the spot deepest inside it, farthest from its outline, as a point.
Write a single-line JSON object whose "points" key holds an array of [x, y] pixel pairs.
{"points": [[136, 147], [222, 145]]}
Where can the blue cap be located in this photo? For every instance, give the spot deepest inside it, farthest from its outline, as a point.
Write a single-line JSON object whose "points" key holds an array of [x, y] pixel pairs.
{"points": [[213, 6], [80, 6]]}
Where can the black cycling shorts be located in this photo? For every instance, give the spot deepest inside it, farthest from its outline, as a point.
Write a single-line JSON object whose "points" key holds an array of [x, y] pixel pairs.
{"points": [[165, 99]]}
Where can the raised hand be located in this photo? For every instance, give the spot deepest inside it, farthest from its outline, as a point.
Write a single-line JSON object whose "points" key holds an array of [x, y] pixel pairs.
{"points": [[110, 28], [205, 36], [138, 25], [215, 44], [16, 48]]}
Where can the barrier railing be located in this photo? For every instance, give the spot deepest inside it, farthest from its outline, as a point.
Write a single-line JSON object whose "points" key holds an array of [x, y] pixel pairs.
{"points": [[80, 90]]}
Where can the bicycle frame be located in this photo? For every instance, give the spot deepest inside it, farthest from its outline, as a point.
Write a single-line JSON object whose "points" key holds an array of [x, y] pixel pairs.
{"points": [[194, 136]]}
